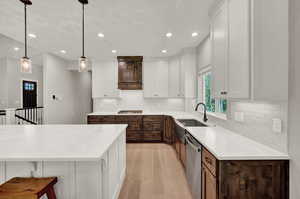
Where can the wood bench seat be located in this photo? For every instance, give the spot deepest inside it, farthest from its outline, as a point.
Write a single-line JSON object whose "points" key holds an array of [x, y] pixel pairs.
{"points": [[28, 188]]}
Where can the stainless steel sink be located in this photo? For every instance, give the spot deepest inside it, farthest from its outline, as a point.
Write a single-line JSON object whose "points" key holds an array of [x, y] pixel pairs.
{"points": [[191, 123]]}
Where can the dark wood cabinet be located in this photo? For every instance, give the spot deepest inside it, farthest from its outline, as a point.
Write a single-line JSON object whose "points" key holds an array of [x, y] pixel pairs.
{"points": [[96, 119], [209, 184], [153, 126], [130, 72], [253, 179], [140, 128], [183, 154], [169, 130], [247, 179], [134, 122]]}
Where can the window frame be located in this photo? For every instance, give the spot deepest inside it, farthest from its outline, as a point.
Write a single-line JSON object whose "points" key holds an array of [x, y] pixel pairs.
{"points": [[201, 93]]}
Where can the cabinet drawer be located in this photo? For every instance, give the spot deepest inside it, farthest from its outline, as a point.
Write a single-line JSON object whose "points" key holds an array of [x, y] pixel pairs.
{"points": [[152, 126], [134, 122], [153, 118], [210, 161], [154, 136], [134, 136], [101, 119]]}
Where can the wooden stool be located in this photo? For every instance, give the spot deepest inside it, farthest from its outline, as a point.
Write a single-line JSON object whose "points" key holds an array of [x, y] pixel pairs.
{"points": [[28, 188]]}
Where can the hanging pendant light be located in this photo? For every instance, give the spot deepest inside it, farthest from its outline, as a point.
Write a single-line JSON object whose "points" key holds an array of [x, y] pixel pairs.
{"points": [[83, 61], [26, 66]]}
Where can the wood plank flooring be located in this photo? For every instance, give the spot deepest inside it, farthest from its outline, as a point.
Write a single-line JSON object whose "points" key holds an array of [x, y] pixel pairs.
{"points": [[154, 172]]}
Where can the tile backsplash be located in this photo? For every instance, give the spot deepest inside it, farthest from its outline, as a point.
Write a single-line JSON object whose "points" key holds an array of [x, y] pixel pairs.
{"points": [[134, 100], [257, 117], [257, 122]]}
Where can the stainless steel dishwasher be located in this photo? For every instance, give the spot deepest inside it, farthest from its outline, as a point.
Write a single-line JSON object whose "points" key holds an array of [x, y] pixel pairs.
{"points": [[193, 165]]}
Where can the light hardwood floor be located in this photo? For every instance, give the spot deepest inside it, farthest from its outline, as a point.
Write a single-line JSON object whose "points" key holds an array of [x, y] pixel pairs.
{"points": [[154, 172]]}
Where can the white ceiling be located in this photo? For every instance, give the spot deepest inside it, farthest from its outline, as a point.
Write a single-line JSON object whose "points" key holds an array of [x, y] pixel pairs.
{"points": [[132, 27]]}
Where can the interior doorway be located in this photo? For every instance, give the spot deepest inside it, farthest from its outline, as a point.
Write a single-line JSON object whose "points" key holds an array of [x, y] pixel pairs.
{"points": [[29, 89]]}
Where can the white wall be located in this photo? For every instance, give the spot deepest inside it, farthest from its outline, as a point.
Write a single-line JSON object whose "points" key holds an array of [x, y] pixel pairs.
{"points": [[3, 84], [294, 100], [73, 91], [134, 100], [11, 83]]}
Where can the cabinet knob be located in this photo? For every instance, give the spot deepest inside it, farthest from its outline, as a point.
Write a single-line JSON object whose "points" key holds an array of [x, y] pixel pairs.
{"points": [[223, 93]]}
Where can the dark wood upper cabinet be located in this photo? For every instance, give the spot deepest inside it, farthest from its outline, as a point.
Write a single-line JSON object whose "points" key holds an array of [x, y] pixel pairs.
{"points": [[130, 76]]}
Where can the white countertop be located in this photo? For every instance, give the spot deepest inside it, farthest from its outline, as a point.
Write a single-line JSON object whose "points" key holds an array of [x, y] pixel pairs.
{"points": [[222, 143], [226, 145], [57, 142]]}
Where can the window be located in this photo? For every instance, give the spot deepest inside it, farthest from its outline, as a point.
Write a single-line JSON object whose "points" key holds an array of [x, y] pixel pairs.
{"points": [[214, 105]]}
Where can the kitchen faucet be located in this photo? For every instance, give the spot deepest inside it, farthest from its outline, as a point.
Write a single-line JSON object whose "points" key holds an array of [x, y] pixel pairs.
{"points": [[205, 116]]}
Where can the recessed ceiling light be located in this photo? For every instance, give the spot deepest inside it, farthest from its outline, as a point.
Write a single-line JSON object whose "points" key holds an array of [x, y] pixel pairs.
{"points": [[169, 34], [100, 35], [31, 35], [194, 34], [63, 51], [164, 51], [114, 51], [16, 48]]}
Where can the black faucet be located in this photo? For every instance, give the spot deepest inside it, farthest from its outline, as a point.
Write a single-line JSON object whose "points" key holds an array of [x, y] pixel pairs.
{"points": [[205, 116]]}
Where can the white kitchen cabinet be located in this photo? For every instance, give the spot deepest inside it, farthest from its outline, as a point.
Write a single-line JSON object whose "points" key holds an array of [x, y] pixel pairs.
{"points": [[250, 49], [189, 72], [270, 49], [238, 77], [204, 54], [219, 39], [156, 79], [175, 78], [105, 80]]}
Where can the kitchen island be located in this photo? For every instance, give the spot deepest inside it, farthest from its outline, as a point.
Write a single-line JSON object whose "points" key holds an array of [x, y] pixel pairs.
{"points": [[89, 160]]}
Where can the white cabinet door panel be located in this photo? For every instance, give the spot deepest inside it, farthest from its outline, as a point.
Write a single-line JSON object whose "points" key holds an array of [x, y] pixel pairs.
{"points": [[89, 180], [156, 79], [174, 78], [65, 172], [239, 49], [220, 50], [104, 78]]}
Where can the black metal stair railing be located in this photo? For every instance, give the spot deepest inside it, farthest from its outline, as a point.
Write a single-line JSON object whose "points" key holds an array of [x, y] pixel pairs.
{"points": [[32, 115], [2, 117]]}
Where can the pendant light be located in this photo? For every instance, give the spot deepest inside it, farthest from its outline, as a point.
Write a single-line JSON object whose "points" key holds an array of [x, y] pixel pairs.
{"points": [[26, 66], [83, 61]]}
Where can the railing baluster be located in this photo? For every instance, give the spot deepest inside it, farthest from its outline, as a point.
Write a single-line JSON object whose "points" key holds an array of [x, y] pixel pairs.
{"points": [[32, 115]]}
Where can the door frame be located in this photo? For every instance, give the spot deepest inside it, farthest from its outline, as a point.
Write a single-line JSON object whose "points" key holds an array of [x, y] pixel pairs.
{"points": [[37, 90]]}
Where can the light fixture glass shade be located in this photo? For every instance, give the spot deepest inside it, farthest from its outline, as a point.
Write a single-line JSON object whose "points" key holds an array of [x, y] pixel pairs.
{"points": [[83, 64], [26, 66]]}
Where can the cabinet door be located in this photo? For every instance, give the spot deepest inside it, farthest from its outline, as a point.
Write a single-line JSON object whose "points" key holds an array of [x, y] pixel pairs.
{"points": [[209, 184], [183, 154], [239, 49], [156, 79], [150, 70], [219, 36], [174, 78], [104, 78], [162, 84]]}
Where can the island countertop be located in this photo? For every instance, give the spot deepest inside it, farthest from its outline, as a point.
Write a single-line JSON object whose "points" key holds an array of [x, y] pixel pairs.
{"points": [[57, 142]]}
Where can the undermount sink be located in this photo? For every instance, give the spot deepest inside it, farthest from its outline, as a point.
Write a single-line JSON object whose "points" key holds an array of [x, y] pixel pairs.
{"points": [[191, 123]]}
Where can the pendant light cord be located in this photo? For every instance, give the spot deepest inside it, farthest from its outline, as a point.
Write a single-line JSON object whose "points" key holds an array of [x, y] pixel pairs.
{"points": [[25, 9], [83, 30]]}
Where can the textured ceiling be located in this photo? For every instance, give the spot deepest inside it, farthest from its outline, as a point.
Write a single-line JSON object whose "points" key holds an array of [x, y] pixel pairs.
{"points": [[132, 27]]}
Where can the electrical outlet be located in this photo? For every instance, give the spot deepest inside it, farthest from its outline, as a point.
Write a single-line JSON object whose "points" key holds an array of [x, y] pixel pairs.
{"points": [[239, 116], [277, 125]]}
